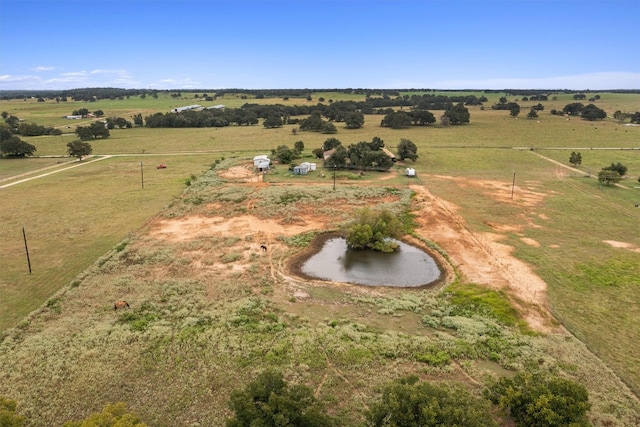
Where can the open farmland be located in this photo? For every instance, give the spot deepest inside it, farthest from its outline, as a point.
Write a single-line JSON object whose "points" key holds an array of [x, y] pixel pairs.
{"points": [[209, 308]]}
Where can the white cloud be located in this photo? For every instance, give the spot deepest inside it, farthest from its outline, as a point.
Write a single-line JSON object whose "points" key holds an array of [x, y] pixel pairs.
{"points": [[42, 68], [184, 83]]}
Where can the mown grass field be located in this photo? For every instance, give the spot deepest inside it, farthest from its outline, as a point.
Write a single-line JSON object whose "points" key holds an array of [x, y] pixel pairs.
{"points": [[74, 217]]}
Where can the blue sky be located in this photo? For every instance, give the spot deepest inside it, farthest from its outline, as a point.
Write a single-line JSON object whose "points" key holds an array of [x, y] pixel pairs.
{"points": [[253, 44]]}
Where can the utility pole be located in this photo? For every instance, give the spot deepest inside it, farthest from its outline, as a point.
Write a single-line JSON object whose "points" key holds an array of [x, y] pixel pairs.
{"points": [[142, 175], [513, 184], [335, 166], [26, 248]]}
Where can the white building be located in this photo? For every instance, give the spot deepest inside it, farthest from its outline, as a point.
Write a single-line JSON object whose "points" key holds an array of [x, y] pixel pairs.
{"points": [[261, 163], [187, 108]]}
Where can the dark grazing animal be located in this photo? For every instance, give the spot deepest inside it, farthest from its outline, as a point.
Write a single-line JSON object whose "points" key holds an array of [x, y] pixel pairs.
{"points": [[120, 304]]}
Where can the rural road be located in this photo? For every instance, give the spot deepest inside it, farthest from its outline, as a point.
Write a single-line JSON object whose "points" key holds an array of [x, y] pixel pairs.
{"points": [[61, 169]]}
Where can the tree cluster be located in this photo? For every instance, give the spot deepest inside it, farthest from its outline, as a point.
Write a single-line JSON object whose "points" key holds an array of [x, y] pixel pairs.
{"points": [[589, 112], [13, 146], [374, 230], [203, 118], [315, 123], [93, 131], [632, 117], [457, 114], [321, 116], [27, 129], [119, 122], [363, 155]]}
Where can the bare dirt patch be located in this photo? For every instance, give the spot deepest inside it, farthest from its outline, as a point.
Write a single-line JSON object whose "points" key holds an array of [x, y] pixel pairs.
{"points": [[622, 245], [244, 173], [480, 258]]}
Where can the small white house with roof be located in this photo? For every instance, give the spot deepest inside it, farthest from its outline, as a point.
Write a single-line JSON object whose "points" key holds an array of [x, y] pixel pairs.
{"points": [[261, 163]]}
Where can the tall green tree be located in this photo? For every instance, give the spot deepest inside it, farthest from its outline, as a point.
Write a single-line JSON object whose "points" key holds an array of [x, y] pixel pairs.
{"points": [[618, 167], [79, 149], [407, 150], [272, 121], [354, 120], [396, 120], [458, 114], [15, 147], [284, 154], [609, 177], [137, 120], [575, 159], [592, 113], [422, 117]]}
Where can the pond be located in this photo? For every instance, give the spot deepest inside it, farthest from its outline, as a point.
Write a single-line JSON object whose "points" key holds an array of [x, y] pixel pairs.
{"points": [[408, 266]]}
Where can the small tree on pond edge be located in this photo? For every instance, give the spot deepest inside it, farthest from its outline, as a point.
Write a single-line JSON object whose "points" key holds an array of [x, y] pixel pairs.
{"points": [[373, 229]]}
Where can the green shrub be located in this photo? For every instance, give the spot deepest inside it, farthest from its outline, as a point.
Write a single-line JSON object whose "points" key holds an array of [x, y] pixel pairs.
{"points": [[8, 416], [270, 401], [408, 403], [115, 415], [478, 299], [539, 400], [230, 257], [436, 358]]}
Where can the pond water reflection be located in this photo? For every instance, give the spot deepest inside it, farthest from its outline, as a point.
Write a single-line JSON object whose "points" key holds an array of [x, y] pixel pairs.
{"points": [[406, 267]]}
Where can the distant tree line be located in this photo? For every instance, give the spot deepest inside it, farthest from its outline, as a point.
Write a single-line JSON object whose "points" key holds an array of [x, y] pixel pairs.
{"points": [[349, 112], [589, 112], [93, 94]]}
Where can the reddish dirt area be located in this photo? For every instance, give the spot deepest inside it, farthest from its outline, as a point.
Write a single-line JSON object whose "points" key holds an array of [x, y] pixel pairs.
{"points": [[479, 257]]}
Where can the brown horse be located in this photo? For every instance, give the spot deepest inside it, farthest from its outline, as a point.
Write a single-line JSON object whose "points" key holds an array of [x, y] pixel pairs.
{"points": [[120, 304], [263, 248]]}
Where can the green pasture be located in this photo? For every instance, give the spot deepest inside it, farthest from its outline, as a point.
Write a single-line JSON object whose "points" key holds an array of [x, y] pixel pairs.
{"points": [[592, 284], [11, 169], [73, 217]]}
